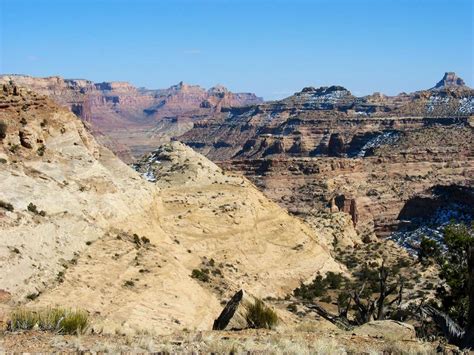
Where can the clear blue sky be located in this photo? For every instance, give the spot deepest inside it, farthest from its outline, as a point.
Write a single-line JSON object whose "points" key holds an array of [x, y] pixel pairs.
{"points": [[270, 47]]}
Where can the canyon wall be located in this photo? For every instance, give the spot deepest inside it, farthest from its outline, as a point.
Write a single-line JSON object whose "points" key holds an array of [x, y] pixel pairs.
{"points": [[327, 150], [133, 121]]}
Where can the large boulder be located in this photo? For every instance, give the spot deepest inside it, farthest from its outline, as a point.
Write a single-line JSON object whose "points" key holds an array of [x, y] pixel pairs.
{"points": [[387, 329]]}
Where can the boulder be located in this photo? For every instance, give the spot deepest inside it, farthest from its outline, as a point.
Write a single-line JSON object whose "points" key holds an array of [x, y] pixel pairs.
{"points": [[387, 329]]}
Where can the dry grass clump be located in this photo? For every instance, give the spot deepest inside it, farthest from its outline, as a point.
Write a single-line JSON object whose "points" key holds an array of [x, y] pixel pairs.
{"points": [[63, 321]]}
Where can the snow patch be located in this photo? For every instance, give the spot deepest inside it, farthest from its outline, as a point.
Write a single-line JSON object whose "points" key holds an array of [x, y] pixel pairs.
{"points": [[382, 139]]}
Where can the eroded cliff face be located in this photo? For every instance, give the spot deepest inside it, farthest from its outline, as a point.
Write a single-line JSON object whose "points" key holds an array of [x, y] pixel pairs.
{"points": [[328, 121], [80, 229], [133, 121], [327, 150]]}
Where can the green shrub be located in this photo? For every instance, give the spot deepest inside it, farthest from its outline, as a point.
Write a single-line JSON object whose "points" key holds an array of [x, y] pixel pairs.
{"points": [[58, 320], [316, 289], [41, 150], [32, 296], [7, 206], [201, 275], [427, 250], [129, 283], [32, 208], [261, 316]]}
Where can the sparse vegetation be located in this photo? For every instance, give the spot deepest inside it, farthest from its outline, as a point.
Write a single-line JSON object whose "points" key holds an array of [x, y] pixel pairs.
{"points": [[59, 320], [32, 296], [129, 283], [3, 130], [428, 250], [7, 206], [261, 316], [41, 150], [319, 286], [32, 208], [200, 274]]}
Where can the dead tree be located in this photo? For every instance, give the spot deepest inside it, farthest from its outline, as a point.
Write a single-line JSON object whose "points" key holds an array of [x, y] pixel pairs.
{"points": [[376, 309]]}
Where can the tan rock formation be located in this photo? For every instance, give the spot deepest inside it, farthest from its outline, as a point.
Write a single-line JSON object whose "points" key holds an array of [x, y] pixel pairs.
{"points": [[86, 231]]}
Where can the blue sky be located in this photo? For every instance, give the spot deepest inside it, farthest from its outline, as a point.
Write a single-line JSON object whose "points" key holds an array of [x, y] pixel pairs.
{"points": [[270, 47]]}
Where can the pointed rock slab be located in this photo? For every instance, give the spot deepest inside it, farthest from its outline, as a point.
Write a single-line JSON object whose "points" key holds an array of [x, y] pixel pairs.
{"points": [[234, 314]]}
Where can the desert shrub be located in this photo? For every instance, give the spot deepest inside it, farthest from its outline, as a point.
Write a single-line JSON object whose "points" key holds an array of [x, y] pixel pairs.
{"points": [[318, 287], [7, 206], [315, 289], [136, 239], [59, 320], [32, 296], [32, 208], [261, 316], [129, 283], [3, 129], [41, 150], [428, 250], [201, 275]]}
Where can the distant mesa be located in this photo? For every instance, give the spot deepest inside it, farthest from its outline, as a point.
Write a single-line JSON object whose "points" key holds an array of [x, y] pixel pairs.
{"points": [[450, 80]]}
